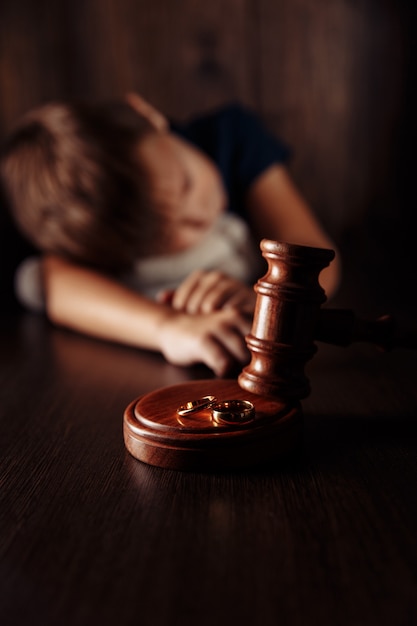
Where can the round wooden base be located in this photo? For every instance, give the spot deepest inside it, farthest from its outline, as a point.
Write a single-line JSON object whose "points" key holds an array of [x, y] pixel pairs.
{"points": [[156, 434]]}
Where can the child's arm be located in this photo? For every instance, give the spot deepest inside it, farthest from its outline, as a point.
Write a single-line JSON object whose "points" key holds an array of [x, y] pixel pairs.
{"points": [[91, 303], [279, 212]]}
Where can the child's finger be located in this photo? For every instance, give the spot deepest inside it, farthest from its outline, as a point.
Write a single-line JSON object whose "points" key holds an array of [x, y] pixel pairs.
{"points": [[182, 293], [219, 295], [191, 293], [226, 346]]}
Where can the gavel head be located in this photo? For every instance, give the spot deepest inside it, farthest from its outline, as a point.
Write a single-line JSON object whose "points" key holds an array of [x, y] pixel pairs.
{"points": [[288, 303]]}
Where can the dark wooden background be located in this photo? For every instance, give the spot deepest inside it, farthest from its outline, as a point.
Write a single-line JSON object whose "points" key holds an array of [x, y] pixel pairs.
{"points": [[89, 535], [333, 77]]}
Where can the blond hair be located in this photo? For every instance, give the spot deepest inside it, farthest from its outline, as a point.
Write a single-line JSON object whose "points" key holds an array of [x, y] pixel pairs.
{"points": [[74, 187]]}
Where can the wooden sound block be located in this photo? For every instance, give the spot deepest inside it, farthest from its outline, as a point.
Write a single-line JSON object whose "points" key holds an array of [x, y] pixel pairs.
{"points": [[156, 434]]}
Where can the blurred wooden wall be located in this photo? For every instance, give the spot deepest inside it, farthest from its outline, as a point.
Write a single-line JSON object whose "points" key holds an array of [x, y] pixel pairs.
{"points": [[332, 77]]}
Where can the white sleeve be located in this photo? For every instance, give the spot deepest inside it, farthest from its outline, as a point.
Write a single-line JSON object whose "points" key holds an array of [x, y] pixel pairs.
{"points": [[28, 284]]}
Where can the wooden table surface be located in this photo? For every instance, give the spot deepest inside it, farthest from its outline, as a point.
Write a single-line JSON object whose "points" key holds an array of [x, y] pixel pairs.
{"points": [[91, 536]]}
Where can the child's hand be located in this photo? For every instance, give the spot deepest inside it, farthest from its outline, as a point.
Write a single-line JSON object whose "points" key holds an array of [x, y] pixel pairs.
{"points": [[216, 339], [208, 291]]}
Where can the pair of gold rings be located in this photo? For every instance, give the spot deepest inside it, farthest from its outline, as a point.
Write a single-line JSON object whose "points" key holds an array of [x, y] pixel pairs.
{"points": [[222, 412]]}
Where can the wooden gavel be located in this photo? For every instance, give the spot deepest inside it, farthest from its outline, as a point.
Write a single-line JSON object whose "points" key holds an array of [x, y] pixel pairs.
{"points": [[201, 425], [288, 320]]}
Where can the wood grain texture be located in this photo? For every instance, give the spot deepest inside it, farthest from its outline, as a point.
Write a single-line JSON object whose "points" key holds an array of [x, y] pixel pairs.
{"points": [[89, 535], [155, 434], [335, 80]]}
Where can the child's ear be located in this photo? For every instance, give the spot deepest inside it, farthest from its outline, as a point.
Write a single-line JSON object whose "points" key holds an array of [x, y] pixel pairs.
{"points": [[154, 117]]}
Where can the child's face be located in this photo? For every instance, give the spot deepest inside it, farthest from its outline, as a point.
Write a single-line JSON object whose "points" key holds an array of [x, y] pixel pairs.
{"points": [[186, 190]]}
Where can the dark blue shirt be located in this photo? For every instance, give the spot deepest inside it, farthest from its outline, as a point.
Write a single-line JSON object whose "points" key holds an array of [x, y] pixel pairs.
{"points": [[239, 144]]}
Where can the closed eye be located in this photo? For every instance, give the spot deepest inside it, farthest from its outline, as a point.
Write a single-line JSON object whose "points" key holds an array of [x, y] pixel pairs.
{"points": [[196, 223]]}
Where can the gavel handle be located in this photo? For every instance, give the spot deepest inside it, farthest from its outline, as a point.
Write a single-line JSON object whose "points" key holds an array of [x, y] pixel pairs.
{"points": [[341, 327]]}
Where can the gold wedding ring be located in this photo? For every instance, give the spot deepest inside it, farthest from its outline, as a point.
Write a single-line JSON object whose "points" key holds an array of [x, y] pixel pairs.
{"points": [[232, 412], [194, 406]]}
